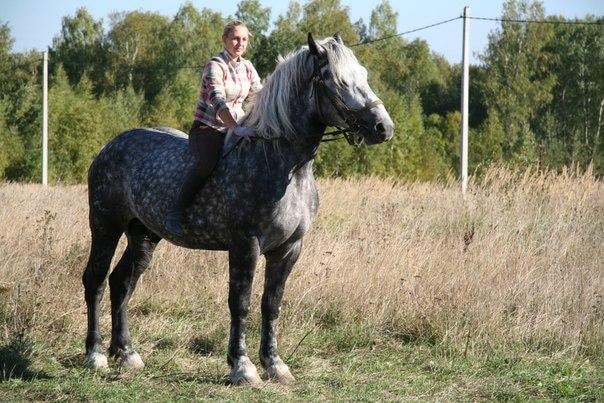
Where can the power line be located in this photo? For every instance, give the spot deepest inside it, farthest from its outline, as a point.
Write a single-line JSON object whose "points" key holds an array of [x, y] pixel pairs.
{"points": [[485, 19], [407, 32], [539, 21]]}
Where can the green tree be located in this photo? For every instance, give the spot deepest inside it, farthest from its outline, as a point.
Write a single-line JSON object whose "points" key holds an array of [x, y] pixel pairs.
{"points": [[134, 54], [383, 21], [569, 127], [256, 17], [79, 46], [442, 95], [326, 17], [285, 38], [6, 43], [11, 145], [517, 84], [175, 103], [188, 42], [362, 30], [119, 111], [23, 113], [78, 125], [486, 144], [320, 17]]}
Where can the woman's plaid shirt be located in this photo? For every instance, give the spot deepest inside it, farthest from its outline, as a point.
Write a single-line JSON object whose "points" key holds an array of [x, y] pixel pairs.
{"points": [[225, 83]]}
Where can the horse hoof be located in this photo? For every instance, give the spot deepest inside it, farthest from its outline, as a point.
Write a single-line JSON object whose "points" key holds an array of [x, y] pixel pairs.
{"points": [[96, 361], [132, 361], [244, 372], [279, 372]]}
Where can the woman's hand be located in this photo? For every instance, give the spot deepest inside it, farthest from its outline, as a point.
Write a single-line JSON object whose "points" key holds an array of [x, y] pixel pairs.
{"points": [[227, 118], [244, 131]]}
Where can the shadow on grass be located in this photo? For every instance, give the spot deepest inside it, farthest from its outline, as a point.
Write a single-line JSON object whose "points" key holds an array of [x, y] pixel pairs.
{"points": [[15, 362], [118, 374], [181, 377], [74, 361], [204, 345]]}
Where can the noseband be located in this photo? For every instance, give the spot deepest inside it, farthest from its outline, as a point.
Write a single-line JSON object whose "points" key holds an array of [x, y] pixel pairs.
{"points": [[350, 116]]}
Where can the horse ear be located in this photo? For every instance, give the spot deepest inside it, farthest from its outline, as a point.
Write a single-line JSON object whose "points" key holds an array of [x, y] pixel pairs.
{"points": [[315, 48], [338, 38]]}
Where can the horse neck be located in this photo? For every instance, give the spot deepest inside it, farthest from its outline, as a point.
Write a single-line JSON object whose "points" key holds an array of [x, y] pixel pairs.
{"points": [[303, 147]]}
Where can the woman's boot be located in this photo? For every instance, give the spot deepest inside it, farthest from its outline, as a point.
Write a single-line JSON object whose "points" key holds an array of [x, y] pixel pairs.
{"points": [[191, 185]]}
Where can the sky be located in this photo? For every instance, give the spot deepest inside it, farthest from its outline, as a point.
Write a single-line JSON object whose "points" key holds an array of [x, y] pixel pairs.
{"points": [[34, 23]]}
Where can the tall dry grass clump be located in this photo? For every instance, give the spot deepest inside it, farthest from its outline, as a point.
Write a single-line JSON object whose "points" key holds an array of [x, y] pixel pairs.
{"points": [[517, 264]]}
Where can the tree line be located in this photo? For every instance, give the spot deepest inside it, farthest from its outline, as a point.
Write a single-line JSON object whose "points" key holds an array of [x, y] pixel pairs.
{"points": [[536, 98]]}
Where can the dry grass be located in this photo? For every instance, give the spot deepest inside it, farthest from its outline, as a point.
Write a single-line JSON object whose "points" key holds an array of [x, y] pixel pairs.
{"points": [[517, 266]]}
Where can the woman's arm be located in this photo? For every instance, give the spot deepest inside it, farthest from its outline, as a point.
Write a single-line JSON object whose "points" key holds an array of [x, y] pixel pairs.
{"points": [[227, 118], [215, 84]]}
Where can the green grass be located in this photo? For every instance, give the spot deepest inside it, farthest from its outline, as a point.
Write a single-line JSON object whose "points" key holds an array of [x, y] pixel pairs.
{"points": [[338, 363]]}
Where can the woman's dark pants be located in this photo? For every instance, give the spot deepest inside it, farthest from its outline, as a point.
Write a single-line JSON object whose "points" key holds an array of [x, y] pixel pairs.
{"points": [[205, 144]]}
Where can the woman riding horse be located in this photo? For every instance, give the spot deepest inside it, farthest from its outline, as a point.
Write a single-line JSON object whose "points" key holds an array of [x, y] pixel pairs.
{"points": [[260, 200], [226, 82]]}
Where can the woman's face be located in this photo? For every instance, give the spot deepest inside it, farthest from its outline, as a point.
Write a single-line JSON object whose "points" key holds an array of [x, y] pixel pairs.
{"points": [[236, 41]]}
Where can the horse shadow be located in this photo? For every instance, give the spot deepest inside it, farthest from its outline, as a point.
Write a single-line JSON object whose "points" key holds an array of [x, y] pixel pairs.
{"points": [[15, 363]]}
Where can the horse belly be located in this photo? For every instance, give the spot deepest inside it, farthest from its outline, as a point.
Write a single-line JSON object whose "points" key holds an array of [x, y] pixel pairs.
{"points": [[207, 226]]}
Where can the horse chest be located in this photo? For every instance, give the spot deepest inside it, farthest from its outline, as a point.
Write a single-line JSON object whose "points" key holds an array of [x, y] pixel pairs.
{"points": [[289, 219]]}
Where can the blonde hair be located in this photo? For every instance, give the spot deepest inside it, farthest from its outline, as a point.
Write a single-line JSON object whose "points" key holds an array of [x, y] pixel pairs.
{"points": [[230, 27]]}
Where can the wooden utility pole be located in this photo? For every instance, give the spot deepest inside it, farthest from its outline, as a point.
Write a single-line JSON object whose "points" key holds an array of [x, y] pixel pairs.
{"points": [[45, 122], [465, 84]]}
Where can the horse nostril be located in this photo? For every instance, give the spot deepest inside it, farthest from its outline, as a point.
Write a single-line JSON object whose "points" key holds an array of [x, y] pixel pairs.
{"points": [[380, 128]]}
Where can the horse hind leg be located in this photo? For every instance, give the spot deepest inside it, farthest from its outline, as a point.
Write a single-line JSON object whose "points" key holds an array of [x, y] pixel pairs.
{"points": [[122, 282], [104, 242]]}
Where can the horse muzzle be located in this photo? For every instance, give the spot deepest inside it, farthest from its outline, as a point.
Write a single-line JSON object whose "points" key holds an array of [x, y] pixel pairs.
{"points": [[376, 127]]}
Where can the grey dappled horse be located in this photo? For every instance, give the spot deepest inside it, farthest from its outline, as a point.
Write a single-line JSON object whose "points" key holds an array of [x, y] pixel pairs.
{"points": [[261, 199]]}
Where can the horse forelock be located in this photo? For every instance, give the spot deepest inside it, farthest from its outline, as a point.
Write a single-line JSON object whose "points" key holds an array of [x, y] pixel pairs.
{"points": [[341, 59], [271, 110]]}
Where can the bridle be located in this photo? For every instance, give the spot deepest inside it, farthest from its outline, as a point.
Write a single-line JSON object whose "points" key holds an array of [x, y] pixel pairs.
{"points": [[350, 116]]}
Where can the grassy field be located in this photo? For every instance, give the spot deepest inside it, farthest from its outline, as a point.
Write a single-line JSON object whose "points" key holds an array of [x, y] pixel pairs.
{"points": [[403, 292]]}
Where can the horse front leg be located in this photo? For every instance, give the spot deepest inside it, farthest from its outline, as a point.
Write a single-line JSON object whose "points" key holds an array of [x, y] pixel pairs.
{"points": [[242, 264], [279, 264]]}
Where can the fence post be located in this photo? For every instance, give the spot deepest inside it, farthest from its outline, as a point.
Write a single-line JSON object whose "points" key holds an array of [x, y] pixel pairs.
{"points": [[45, 121], [465, 83]]}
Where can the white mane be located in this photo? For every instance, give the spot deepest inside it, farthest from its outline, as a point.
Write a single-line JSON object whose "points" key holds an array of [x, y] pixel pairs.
{"points": [[270, 112]]}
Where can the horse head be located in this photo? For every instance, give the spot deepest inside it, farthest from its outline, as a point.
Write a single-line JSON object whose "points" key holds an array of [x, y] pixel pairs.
{"points": [[342, 95]]}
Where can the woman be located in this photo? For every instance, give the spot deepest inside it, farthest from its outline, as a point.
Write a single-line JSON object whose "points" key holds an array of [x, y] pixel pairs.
{"points": [[227, 81]]}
